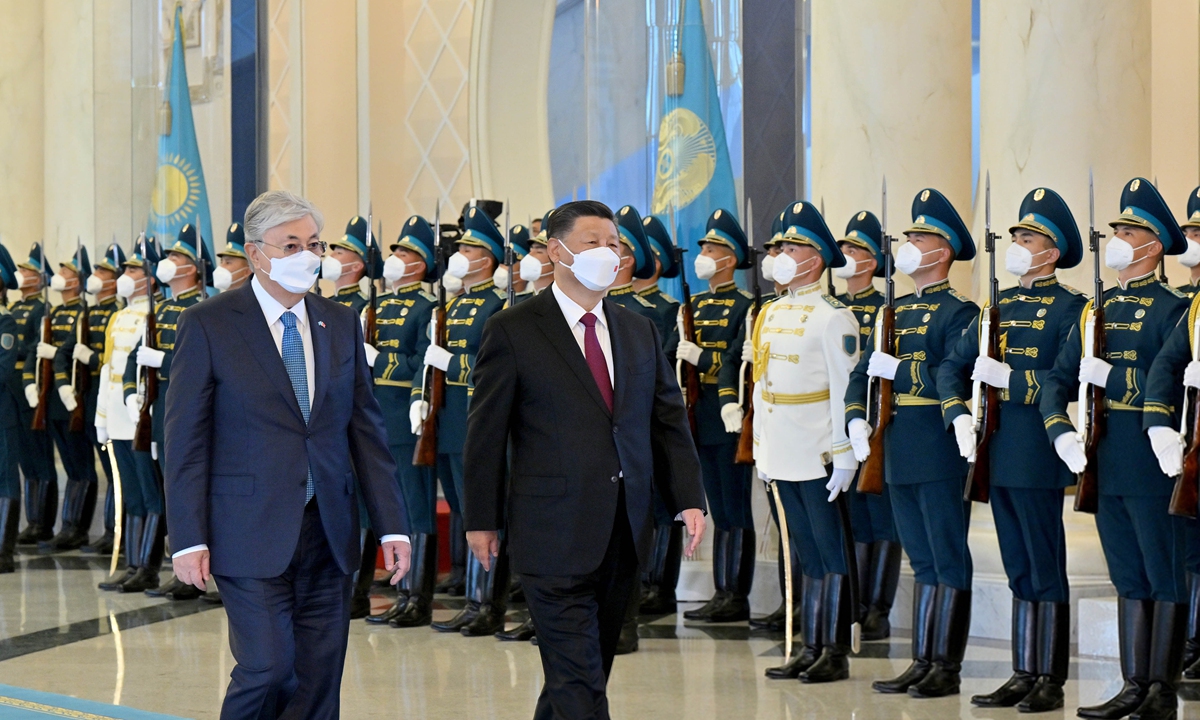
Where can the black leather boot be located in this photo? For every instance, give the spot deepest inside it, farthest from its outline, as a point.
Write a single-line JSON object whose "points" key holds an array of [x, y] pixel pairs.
{"points": [[360, 600], [922, 643], [739, 576], [41, 523], [520, 633], [811, 590], [884, 580], [494, 594], [455, 583], [10, 515], [72, 535], [150, 562], [1166, 663], [1053, 657], [951, 628], [131, 537], [417, 609], [862, 561], [1024, 657], [1191, 651], [835, 627], [664, 571], [474, 586], [776, 621], [720, 565], [1134, 623]]}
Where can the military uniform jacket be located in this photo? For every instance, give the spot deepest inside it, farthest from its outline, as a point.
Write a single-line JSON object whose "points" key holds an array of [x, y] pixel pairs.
{"points": [[8, 362], [166, 317], [668, 325], [1188, 289], [123, 334], [401, 337], [28, 315], [1138, 319], [865, 305], [98, 318], [1164, 381], [626, 297], [928, 326], [805, 345], [720, 319], [1034, 323], [63, 319], [351, 297]]}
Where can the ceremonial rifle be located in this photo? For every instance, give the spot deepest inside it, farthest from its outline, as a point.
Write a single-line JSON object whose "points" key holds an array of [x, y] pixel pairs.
{"points": [[81, 380], [1092, 419], [1186, 496], [434, 389], [879, 390], [143, 435], [828, 270], [985, 403], [44, 377], [369, 320], [745, 448], [510, 298], [690, 374]]}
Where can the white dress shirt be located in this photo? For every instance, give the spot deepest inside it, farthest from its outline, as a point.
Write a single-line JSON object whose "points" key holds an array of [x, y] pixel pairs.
{"points": [[272, 311], [572, 312]]}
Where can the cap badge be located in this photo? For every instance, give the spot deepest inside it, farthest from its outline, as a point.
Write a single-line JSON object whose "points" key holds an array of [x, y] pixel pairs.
{"points": [[862, 216], [1039, 194], [1133, 186], [924, 195]]}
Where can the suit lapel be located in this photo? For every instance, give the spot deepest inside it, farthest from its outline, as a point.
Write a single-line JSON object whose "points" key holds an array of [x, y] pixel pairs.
{"points": [[320, 341], [254, 330], [560, 336]]}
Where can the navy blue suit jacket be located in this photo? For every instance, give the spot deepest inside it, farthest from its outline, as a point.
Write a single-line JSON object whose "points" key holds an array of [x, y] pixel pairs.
{"points": [[237, 451]]}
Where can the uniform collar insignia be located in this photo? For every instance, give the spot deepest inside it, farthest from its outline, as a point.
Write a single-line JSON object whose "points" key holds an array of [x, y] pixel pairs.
{"points": [[938, 286], [347, 290], [805, 290], [865, 292], [482, 286], [725, 287], [1143, 281], [648, 290], [407, 288], [621, 289]]}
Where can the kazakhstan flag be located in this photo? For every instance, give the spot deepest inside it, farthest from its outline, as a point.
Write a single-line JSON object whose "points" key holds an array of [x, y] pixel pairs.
{"points": [[694, 176], [179, 196]]}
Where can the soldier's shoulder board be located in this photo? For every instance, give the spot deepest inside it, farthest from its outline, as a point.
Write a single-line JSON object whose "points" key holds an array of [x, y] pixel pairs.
{"points": [[1174, 292], [746, 294], [833, 302], [1071, 290], [643, 301], [427, 295], [502, 294], [959, 296], [668, 298]]}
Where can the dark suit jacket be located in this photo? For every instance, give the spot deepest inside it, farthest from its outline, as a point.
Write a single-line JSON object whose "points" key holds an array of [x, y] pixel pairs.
{"points": [[238, 452], [533, 386]]}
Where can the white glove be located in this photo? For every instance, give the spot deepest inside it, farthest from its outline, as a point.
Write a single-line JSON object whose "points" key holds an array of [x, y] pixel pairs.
{"points": [[371, 353], [1168, 448], [1070, 449], [1191, 374], [46, 351], [417, 412], [731, 415], [1094, 370], [839, 482], [133, 406], [992, 372], [154, 450], [31, 395], [761, 475], [748, 352], [882, 365], [438, 357], [82, 353], [66, 393], [102, 435], [964, 433], [689, 352], [860, 438], [149, 357]]}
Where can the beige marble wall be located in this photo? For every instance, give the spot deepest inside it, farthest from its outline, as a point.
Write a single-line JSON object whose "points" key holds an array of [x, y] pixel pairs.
{"points": [[891, 94], [22, 160], [1175, 104]]}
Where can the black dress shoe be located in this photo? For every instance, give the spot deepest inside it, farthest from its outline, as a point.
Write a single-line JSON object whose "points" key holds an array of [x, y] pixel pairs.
{"points": [[627, 643], [775, 622], [941, 681], [735, 609], [118, 580], [657, 603], [102, 546], [521, 633], [141, 581], [68, 538], [459, 621], [183, 592], [1009, 694], [1161, 703], [384, 617], [489, 621], [791, 670], [912, 675], [1046, 695], [830, 667], [417, 612], [161, 590], [1125, 702]]}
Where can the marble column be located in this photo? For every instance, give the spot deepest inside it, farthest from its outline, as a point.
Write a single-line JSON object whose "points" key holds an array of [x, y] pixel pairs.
{"points": [[891, 95], [21, 115]]}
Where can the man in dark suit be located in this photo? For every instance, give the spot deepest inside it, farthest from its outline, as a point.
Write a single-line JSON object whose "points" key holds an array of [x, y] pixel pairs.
{"points": [[261, 482], [577, 391]]}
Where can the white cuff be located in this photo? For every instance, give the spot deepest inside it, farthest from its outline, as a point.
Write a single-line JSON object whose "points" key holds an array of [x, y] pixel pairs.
{"points": [[192, 549], [393, 538]]}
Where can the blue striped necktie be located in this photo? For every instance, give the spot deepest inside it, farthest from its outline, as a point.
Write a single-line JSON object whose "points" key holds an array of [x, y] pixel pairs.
{"points": [[293, 360]]}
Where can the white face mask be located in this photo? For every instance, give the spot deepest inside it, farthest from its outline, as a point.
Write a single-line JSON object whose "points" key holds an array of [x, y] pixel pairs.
{"points": [[706, 266], [1019, 261], [167, 271], [595, 268], [847, 271], [58, 283], [532, 268], [295, 273], [1190, 257], [500, 277], [127, 286], [95, 285], [786, 268], [460, 266], [331, 268], [1118, 254], [768, 267], [394, 268], [451, 284], [223, 279], [908, 258]]}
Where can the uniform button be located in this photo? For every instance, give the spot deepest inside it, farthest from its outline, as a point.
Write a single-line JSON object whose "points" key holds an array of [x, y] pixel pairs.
{"points": [[613, 479]]}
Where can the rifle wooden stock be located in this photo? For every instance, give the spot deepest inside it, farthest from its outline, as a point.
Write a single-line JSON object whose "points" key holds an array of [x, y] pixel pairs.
{"points": [[83, 373], [1186, 496], [871, 476], [369, 324], [143, 436], [979, 475], [425, 453], [745, 447], [45, 377], [1087, 493]]}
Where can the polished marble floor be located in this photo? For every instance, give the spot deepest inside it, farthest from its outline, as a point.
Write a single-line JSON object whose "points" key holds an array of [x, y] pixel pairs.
{"points": [[59, 634]]}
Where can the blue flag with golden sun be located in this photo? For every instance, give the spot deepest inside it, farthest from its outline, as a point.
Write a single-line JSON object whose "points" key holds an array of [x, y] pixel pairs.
{"points": [[694, 176], [179, 196]]}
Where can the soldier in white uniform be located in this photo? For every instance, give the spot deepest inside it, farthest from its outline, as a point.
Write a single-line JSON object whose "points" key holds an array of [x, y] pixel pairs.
{"points": [[805, 345]]}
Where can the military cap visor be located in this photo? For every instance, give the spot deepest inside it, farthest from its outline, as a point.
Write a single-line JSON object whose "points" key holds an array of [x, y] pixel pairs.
{"points": [[805, 226], [1142, 206], [481, 231], [8, 271], [1193, 210], [34, 263]]}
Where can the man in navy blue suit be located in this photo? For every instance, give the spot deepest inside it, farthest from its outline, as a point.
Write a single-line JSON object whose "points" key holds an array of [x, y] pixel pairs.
{"points": [[271, 429]]}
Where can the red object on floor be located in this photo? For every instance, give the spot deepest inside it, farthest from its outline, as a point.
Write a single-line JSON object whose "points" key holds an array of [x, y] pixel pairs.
{"points": [[443, 531]]}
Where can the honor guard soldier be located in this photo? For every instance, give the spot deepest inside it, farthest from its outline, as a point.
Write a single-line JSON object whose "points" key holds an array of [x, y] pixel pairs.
{"points": [[536, 269], [138, 476], [10, 474], [1144, 546], [667, 267], [924, 471], [518, 237], [479, 251], [1190, 259], [719, 315], [233, 270], [875, 539], [179, 271], [637, 261], [85, 356], [346, 264], [805, 345], [397, 355], [1027, 480], [36, 449]]}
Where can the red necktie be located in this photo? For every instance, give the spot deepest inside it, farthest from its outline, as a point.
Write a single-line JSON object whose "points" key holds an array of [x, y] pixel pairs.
{"points": [[595, 359]]}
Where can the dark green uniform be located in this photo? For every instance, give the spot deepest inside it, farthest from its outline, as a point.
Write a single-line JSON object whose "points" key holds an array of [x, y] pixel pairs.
{"points": [[668, 320], [10, 476], [1188, 289], [351, 297], [35, 451]]}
